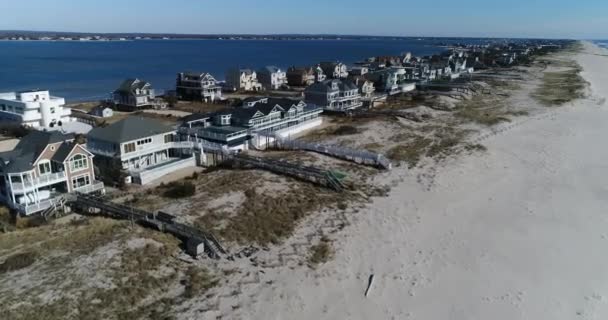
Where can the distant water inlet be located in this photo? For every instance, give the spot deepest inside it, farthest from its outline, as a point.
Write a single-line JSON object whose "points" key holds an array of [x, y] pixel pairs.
{"points": [[81, 71]]}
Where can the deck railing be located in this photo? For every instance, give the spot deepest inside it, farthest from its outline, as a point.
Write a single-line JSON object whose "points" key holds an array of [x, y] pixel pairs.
{"points": [[39, 182]]}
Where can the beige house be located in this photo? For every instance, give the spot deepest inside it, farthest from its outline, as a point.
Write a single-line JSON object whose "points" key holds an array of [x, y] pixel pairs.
{"points": [[243, 79]]}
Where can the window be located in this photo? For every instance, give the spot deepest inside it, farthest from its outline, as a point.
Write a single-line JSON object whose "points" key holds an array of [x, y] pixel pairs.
{"points": [[52, 109], [144, 141], [44, 168], [78, 162], [82, 181], [168, 138], [129, 147]]}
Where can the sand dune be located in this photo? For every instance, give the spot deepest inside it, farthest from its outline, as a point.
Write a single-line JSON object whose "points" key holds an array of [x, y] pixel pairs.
{"points": [[519, 232]]}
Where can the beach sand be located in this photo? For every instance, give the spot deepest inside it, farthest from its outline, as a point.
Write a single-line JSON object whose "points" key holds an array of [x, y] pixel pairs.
{"points": [[517, 232]]}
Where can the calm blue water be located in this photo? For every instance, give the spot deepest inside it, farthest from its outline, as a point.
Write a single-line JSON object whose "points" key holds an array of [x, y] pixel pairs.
{"points": [[91, 70]]}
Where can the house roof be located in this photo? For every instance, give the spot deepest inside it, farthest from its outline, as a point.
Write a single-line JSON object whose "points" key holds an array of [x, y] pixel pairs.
{"points": [[64, 151], [27, 151], [270, 69], [130, 128], [197, 75], [327, 86], [130, 85], [98, 110], [251, 106]]}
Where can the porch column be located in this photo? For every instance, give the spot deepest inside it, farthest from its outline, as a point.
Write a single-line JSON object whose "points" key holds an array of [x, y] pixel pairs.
{"points": [[10, 182], [24, 191], [35, 188]]}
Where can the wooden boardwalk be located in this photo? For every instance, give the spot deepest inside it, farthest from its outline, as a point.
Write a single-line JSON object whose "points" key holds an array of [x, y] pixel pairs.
{"points": [[357, 156], [163, 222], [311, 174]]}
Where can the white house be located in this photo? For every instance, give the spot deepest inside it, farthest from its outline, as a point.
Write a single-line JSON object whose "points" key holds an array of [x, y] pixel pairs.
{"points": [[102, 112], [272, 77], [35, 108], [145, 148]]}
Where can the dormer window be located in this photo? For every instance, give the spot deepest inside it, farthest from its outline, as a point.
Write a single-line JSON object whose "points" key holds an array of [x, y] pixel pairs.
{"points": [[78, 162]]}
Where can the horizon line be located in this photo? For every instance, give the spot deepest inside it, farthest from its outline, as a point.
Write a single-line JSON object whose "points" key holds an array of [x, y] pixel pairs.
{"points": [[292, 34]]}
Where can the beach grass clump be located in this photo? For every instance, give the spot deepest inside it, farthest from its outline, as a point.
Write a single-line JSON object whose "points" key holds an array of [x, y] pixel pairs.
{"points": [[197, 282], [18, 261], [560, 87], [410, 152], [267, 218], [345, 130], [475, 147], [177, 190], [485, 116], [320, 253]]}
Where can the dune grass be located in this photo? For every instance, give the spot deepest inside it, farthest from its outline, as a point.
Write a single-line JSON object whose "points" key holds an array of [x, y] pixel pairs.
{"points": [[320, 253], [560, 87], [268, 218]]}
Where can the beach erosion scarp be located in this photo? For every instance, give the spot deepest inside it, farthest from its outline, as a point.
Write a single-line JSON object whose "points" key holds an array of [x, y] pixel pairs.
{"points": [[518, 232]]}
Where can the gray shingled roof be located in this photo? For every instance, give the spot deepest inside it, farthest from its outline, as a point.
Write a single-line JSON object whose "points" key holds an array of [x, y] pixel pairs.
{"points": [[129, 85], [326, 86], [29, 149], [128, 129], [63, 151]]}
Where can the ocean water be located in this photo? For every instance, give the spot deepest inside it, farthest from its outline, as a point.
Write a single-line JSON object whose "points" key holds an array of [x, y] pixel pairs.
{"points": [[82, 71], [602, 43]]}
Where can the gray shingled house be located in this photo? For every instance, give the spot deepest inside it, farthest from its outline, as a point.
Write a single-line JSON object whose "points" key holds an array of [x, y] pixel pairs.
{"points": [[134, 94], [41, 168], [200, 86], [334, 95], [272, 78], [234, 128]]}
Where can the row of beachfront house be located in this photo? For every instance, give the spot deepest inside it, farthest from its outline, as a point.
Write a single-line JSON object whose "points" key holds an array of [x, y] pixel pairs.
{"points": [[47, 165], [374, 77], [387, 75]]}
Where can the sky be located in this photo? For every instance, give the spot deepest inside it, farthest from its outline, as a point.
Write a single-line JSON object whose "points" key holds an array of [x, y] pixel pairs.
{"points": [[577, 19]]}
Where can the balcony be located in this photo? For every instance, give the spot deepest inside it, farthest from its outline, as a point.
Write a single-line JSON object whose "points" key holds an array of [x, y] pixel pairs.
{"points": [[42, 181], [143, 150]]}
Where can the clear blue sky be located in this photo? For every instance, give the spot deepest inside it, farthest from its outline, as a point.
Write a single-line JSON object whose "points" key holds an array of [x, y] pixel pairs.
{"points": [[522, 18]]}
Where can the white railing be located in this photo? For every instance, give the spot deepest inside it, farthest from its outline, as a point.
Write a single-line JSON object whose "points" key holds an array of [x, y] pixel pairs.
{"points": [[41, 181], [35, 207], [160, 147], [144, 176], [359, 156], [95, 186]]}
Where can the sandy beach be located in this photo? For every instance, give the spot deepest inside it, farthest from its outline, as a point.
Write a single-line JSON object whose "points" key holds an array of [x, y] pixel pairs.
{"points": [[517, 232], [494, 209]]}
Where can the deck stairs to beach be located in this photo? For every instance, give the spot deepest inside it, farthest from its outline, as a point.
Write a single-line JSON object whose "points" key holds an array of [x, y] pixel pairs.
{"points": [[161, 221], [307, 173], [56, 210], [357, 156]]}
